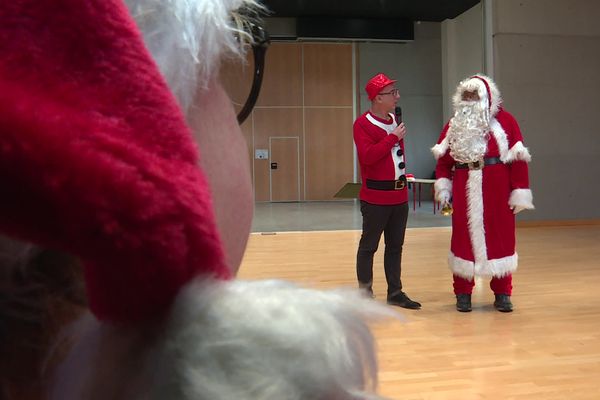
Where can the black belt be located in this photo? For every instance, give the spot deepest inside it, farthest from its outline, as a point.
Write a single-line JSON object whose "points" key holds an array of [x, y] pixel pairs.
{"points": [[478, 164], [387, 185]]}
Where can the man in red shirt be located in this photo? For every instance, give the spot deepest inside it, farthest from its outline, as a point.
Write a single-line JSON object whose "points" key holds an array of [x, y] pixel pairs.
{"points": [[383, 196]]}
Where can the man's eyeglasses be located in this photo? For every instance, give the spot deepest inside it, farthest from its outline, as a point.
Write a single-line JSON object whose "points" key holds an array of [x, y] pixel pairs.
{"points": [[393, 92], [260, 44]]}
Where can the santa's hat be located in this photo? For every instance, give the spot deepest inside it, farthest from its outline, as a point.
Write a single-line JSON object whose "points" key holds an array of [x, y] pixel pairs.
{"points": [[96, 160], [486, 88]]}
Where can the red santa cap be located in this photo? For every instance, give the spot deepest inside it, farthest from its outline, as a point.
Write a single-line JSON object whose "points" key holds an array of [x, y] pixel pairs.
{"points": [[96, 159], [376, 84]]}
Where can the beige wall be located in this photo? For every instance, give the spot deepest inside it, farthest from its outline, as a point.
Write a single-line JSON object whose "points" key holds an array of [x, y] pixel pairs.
{"points": [[547, 63]]}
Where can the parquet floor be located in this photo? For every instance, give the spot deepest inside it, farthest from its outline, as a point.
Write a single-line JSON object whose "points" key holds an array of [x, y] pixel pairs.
{"points": [[548, 348]]}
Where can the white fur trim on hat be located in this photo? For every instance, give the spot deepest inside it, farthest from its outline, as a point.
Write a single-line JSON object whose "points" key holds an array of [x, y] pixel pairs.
{"points": [[473, 83], [498, 267], [242, 340], [440, 149], [521, 198]]}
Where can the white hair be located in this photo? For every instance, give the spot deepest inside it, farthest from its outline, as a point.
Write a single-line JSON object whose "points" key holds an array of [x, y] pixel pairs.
{"points": [[187, 38]]}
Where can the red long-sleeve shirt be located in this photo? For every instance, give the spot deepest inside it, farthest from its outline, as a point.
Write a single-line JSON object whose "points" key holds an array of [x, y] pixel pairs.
{"points": [[377, 155]]}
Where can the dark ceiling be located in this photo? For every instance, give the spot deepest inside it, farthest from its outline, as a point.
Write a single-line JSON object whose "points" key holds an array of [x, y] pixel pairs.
{"points": [[415, 10]]}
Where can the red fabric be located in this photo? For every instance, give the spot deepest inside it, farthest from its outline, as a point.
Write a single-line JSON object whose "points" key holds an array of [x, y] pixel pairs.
{"points": [[501, 285], [498, 182], [95, 156], [487, 89], [374, 147], [377, 83]]}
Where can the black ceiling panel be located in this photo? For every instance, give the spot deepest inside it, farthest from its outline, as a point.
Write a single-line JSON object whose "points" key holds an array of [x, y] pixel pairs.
{"points": [[416, 10]]}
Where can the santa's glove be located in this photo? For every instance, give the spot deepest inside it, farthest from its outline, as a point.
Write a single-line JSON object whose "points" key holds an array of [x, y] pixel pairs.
{"points": [[517, 209], [443, 190], [520, 199], [443, 196]]}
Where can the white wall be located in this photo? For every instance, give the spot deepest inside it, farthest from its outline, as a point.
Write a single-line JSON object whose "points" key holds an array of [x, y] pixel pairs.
{"points": [[547, 65], [417, 67]]}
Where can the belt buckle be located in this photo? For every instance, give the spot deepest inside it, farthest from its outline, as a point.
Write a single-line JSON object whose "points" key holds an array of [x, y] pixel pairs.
{"points": [[476, 165], [399, 184]]}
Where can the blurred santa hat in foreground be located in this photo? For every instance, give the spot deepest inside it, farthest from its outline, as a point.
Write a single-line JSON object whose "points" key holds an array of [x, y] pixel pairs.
{"points": [[96, 160]]}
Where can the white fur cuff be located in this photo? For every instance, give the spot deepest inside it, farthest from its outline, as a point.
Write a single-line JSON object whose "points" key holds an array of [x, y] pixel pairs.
{"points": [[518, 153], [521, 198], [440, 149]]}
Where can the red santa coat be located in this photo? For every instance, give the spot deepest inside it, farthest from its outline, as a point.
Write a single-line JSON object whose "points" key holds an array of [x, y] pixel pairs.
{"points": [[483, 222], [377, 152]]}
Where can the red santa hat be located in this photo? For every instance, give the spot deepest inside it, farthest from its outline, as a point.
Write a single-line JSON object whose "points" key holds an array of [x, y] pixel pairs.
{"points": [[96, 160]]}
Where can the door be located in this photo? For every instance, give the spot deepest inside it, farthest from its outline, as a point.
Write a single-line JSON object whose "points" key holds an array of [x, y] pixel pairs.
{"points": [[284, 168]]}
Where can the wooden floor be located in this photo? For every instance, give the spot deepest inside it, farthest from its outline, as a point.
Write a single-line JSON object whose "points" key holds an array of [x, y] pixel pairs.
{"points": [[548, 348]]}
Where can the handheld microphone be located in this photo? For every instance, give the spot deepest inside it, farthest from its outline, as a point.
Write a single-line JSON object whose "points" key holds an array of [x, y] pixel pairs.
{"points": [[398, 112]]}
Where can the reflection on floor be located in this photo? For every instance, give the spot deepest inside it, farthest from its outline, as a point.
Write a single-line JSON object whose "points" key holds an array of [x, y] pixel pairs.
{"points": [[331, 215]]}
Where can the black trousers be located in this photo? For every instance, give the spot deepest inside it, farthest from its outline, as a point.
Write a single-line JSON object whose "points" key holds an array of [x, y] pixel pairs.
{"points": [[391, 221]]}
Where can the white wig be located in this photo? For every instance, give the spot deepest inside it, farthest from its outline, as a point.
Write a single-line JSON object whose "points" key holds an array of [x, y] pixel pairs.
{"points": [[187, 38]]}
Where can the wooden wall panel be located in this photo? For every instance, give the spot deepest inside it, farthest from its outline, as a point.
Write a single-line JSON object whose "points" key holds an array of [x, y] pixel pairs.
{"points": [[282, 82], [329, 151], [270, 122], [327, 74]]}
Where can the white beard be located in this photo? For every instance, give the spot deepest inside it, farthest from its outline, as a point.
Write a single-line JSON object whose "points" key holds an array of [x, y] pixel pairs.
{"points": [[469, 132]]}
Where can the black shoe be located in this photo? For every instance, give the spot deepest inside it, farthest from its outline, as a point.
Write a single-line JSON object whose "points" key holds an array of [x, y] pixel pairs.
{"points": [[503, 303], [463, 302], [402, 300]]}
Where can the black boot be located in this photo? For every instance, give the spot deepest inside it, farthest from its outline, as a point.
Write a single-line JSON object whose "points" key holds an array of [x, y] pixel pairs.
{"points": [[402, 300], [503, 303], [463, 302]]}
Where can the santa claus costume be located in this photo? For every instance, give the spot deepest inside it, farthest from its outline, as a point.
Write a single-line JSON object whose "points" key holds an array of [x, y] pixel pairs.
{"points": [[97, 161], [482, 167]]}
